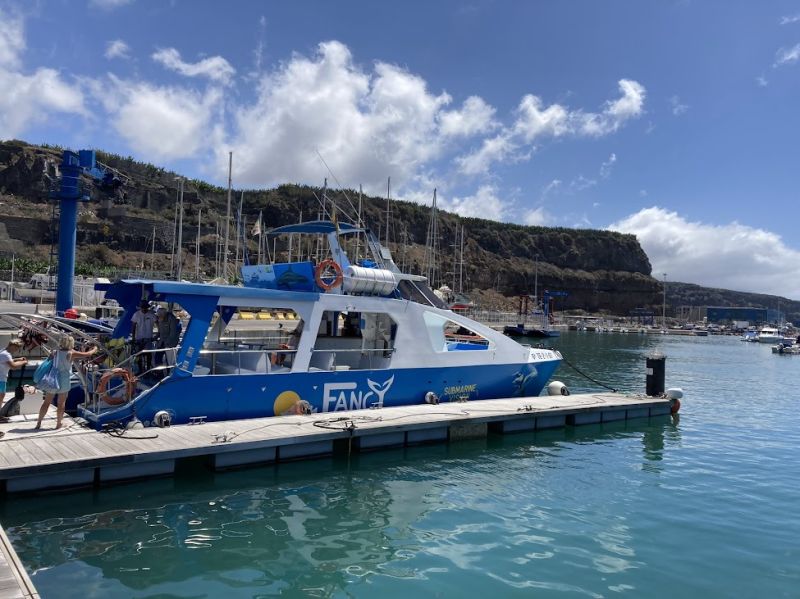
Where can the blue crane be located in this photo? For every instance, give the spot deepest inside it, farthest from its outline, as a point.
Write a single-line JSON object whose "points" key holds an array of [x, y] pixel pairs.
{"points": [[70, 192], [547, 298]]}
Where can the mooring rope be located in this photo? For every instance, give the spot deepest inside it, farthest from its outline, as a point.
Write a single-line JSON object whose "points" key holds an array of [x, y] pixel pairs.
{"points": [[583, 374]]}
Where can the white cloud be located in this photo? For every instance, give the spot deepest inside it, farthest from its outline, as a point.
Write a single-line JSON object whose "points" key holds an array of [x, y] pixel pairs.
{"points": [[258, 51], [607, 166], [616, 112], [162, 123], [484, 204], [581, 183], [550, 187], [366, 125], [494, 149], [537, 217], [762, 81], [787, 56], [787, 20], [534, 121], [109, 4], [28, 99], [117, 49], [215, 68], [731, 256], [12, 40], [678, 108], [476, 116]]}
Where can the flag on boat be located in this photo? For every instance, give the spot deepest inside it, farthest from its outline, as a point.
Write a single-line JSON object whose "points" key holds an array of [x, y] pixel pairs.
{"points": [[257, 227]]}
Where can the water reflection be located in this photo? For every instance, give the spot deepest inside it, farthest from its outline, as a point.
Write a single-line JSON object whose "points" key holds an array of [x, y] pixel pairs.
{"points": [[316, 529]]}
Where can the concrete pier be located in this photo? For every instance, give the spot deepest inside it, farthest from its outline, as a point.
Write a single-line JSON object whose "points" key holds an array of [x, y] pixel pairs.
{"points": [[76, 456]]}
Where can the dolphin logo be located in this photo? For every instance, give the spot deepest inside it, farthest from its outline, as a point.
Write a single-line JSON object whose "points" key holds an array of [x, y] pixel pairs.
{"points": [[380, 390], [522, 379], [290, 278]]}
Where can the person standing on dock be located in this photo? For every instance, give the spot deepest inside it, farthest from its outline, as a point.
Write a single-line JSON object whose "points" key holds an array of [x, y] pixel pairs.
{"points": [[143, 322], [8, 363], [62, 360]]}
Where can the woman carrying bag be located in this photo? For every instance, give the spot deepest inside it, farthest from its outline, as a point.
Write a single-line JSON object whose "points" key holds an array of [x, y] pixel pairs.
{"points": [[56, 381]]}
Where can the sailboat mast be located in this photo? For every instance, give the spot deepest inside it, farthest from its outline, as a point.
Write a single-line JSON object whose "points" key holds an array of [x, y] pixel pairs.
{"points": [[197, 247], [260, 235], [216, 251], [358, 224], [174, 235], [180, 233], [152, 257], [238, 230], [461, 264], [227, 217], [388, 196], [435, 239]]}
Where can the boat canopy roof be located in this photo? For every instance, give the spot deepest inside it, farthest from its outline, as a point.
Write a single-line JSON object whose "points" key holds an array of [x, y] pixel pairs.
{"points": [[317, 227], [174, 290]]}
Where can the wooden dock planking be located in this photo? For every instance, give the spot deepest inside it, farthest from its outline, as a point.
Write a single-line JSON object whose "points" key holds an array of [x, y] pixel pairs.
{"points": [[78, 456], [14, 580]]}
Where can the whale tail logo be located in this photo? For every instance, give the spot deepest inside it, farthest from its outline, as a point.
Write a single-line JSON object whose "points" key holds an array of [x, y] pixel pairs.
{"points": [[380, 389]]}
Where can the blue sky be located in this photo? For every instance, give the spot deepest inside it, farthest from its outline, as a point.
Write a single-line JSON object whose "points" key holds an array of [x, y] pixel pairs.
{"points": [[675, 121]]}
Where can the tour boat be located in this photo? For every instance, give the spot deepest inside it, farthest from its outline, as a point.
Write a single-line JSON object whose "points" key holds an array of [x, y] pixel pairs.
{"points": [[309, 336]]}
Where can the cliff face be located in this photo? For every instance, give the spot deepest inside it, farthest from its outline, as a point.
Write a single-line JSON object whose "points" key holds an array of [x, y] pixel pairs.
{"points": [[600, 270]]}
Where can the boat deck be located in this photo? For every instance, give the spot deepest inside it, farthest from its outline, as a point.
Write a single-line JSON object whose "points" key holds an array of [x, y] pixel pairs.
{"points": [[75, 455]]}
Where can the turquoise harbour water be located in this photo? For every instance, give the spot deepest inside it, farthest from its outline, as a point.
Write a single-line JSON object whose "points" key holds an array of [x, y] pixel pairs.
{"points": [[701, 506]]}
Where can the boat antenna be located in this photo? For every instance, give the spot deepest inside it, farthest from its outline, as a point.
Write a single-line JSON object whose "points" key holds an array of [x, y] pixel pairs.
{"points": [[341, 187], [321, 203]]}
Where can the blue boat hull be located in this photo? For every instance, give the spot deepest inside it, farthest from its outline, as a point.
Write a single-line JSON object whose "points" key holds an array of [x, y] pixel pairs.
{"points": [[241, 396]]}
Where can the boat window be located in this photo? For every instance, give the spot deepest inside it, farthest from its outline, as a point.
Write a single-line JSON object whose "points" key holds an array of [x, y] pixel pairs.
{"points": [[353, 341], [254, 341], [446, 335]]}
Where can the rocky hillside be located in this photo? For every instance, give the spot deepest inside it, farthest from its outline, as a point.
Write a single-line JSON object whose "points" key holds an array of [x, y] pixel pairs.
{"points": [[600, 270]]}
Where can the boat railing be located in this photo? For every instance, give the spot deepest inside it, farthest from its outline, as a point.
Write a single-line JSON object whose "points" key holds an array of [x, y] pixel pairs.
{"points": [[350, 358], [113, 385], [244, 361], [131, 362]]}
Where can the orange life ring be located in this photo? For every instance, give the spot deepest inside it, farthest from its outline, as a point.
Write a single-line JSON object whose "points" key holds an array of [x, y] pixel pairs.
{"points": [[321, 267], [129, 382]]}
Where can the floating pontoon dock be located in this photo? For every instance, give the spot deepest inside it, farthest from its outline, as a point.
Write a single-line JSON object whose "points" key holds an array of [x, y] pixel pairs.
{"points": [[14, 580], [77, 456]]}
